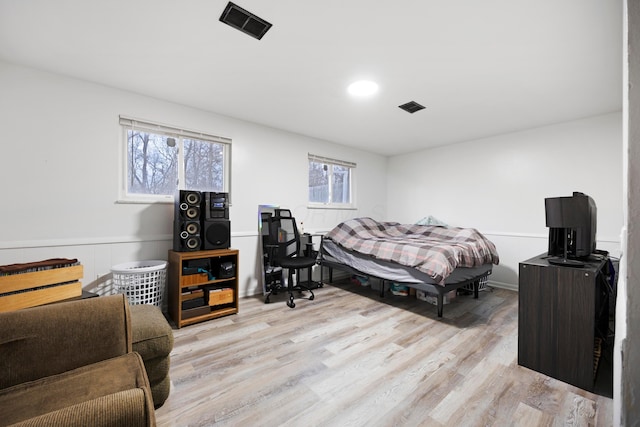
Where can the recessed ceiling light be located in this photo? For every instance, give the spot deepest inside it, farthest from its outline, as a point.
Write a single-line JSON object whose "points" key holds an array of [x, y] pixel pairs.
{"points": [[363, 88]]}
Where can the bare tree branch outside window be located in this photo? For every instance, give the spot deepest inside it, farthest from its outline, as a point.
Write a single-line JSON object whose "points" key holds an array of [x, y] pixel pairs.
{"points": [[329, 183], [154, 162], [204, 165]]}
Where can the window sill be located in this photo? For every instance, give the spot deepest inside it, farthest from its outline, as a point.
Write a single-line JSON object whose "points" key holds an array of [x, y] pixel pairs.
{"points": [[145, 201], [333, 207]]}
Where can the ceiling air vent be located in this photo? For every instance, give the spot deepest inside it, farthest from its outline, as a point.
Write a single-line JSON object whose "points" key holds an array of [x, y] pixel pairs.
{"points": [[411, 107], [244, 21]]}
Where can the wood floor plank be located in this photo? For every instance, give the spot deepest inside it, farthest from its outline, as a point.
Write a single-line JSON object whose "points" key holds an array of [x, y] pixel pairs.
{"points": [[526, 416], [351, 358]]}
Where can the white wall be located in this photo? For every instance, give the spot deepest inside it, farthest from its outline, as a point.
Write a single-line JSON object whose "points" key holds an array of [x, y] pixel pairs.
{"points": [[498, 185], [60, 166]]}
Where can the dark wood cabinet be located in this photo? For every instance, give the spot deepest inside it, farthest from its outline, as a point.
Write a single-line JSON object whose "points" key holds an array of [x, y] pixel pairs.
{"points": [[561, 310]]}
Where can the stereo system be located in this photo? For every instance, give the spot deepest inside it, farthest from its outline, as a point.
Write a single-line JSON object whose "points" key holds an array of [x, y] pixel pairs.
{"points": [[201, 221]]}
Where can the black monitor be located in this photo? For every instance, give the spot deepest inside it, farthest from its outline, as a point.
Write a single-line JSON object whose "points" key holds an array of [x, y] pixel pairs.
{"points": [[572, 225]]}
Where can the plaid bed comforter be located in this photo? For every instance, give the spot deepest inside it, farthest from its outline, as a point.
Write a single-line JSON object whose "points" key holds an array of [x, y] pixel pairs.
{"points": [[434, 250]]}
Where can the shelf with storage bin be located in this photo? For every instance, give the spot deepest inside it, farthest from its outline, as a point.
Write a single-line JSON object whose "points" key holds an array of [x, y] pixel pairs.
{"points": [[203, 285]]}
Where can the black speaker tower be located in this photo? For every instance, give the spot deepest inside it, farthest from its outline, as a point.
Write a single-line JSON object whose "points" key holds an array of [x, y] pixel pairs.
{"points": [[187, 221], [201, 221], [216, 227]]}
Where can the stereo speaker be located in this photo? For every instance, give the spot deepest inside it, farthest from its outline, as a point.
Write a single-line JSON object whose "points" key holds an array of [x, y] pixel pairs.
{"points": [[215, 205], [187, 228], [189, 205], [216, 234]]}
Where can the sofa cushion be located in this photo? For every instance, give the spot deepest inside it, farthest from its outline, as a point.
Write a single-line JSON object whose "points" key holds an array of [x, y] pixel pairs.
{"points": [[160, 391], [51, 339], [38, 397], [157, 369], [152, 335]]}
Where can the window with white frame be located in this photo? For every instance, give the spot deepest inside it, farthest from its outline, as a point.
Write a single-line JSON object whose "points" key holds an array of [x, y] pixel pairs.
{"points": [[330, 182], [161, 159]]}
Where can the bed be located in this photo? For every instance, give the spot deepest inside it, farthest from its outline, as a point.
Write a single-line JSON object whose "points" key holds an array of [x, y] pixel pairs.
{"points": [[434, 259]]}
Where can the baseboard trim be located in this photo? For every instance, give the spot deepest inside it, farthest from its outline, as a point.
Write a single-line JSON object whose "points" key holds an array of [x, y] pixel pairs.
{"points": [[502, 285]]}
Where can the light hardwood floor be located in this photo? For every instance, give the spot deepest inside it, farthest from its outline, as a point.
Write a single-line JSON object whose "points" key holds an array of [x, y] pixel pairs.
{"points": [[351, 358]]}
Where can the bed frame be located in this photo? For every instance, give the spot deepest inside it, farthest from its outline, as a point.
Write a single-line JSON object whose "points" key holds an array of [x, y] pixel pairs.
{"points": [[441, 291]]}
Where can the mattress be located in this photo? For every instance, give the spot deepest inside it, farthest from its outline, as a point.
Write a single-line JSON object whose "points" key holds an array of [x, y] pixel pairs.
{"points": [[395, 272], [434, 250]]}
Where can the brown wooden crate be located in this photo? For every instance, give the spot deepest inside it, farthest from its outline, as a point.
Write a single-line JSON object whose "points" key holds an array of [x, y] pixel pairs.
{"points": [[19, 282], [40, 296]]}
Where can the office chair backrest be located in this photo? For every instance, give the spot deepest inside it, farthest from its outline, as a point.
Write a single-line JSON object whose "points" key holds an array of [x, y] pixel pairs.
{"points": [[288, 237], [283, 235], [284, 213]]}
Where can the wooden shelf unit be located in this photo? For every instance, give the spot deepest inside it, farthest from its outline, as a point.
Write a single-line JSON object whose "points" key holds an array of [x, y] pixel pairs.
{"points": [[186, 287]]}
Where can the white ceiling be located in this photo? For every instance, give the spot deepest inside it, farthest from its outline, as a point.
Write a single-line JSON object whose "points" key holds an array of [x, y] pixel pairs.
{"points": [[480, 67]]}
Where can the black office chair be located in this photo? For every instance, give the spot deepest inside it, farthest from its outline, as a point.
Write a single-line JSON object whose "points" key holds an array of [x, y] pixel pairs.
{"points": [[284, 250], [272, 273]]}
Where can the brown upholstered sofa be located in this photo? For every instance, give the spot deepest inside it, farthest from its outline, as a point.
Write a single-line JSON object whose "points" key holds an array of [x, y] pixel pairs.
{"points": [[72, 364], [152, 339]]}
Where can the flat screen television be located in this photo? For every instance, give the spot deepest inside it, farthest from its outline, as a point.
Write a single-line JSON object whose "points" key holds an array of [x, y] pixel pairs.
{"points": [[572, 223]]}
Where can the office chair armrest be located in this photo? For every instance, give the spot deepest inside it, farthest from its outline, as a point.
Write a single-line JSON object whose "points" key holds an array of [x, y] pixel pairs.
{"points": [[309, 250]]}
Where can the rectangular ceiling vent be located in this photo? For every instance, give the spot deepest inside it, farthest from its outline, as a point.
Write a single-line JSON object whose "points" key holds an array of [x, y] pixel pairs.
{"points": [[244, 21], [411, 107]]}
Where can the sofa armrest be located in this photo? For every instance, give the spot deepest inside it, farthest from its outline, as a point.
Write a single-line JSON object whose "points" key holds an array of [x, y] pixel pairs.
{"points": [[47, 340], [125, 408], [57, 392]]}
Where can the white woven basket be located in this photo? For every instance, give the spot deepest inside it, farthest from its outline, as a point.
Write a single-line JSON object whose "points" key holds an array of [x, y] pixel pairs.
{"points": [[482, 285], [142, 282]]}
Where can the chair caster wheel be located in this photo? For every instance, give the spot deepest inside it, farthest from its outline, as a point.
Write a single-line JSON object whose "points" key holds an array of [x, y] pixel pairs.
{"points": [[267, 301], [291, 304], [311, 298]]}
